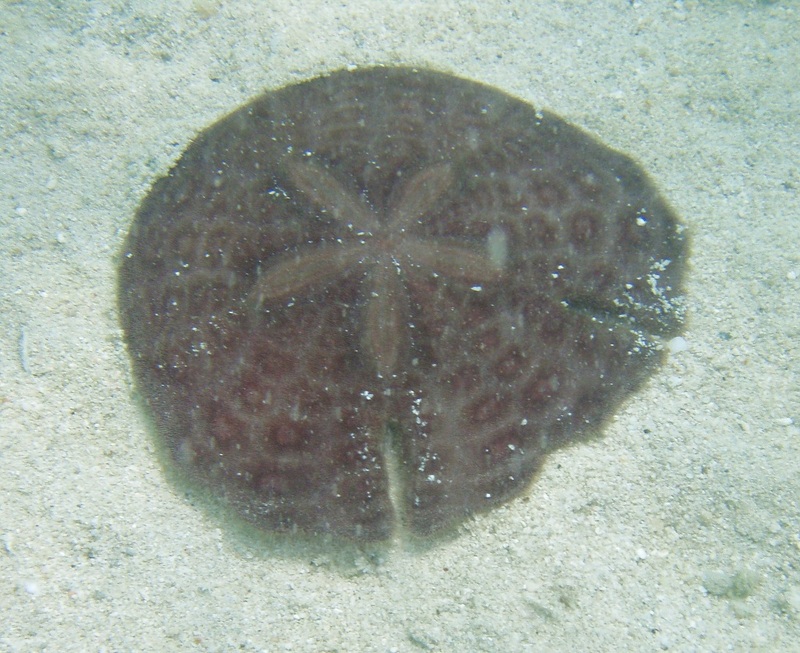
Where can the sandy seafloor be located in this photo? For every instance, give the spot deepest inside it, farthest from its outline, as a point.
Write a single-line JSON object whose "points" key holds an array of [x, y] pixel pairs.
{"points": [[679, 530]]}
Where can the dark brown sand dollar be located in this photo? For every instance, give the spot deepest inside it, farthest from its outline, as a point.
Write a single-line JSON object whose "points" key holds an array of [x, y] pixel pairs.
{"points": [[375, 300]]}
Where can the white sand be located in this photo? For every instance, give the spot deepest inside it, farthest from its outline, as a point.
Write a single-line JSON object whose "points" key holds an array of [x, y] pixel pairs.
{"points": [[679, 530]]}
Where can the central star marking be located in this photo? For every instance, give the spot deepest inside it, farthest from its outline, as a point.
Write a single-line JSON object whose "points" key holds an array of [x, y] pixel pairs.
{"points": [[381, 242]]}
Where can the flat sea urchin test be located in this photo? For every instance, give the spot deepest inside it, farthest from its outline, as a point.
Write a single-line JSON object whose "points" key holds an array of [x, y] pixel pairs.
{"points": [[376, 299]]}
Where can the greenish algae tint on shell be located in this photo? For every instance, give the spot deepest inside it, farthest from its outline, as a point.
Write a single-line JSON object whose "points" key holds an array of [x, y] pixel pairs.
{"points": [[372, 302]]}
